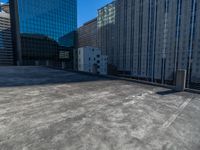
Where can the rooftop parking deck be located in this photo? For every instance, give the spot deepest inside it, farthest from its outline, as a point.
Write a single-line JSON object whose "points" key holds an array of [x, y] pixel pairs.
{"points": [[46, 109]]}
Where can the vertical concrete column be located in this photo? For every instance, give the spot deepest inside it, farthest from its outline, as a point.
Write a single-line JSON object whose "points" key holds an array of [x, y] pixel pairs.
{"points": [[180, 80], [47, 63], [18, 63], [63, 65], [37, 63]]}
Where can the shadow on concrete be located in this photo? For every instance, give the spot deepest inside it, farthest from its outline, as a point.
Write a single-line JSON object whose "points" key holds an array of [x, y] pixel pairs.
{"points": [[31, 76], [168, 92]]}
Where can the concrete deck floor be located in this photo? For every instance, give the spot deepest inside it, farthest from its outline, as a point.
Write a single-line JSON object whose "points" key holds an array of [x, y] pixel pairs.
{"points": [[46, 109]]}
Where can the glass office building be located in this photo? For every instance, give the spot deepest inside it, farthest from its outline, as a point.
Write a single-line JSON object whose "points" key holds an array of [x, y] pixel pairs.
{"points": [[54, 19], [6, 46]]}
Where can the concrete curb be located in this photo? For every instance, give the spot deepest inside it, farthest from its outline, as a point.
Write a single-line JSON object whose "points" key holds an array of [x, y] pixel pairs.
{"points": [[131, 80]]}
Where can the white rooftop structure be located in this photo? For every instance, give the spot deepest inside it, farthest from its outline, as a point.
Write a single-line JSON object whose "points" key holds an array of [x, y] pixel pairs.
{"points": [[91, 60]]}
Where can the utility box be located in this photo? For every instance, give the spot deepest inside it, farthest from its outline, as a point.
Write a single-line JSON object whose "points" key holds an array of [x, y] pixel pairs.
{"points": [[180, 80]]}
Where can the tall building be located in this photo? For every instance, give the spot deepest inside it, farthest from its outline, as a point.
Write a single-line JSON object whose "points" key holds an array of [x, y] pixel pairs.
{"points": [[106, 30], [155, 38], [87, 34], [6, 45], [5, 7], [53, 19]]}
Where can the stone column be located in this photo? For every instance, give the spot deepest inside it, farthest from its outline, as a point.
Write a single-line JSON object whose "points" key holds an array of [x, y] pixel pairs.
{"points": [[180, 80], [63, 65], [47, 63], [37, 63]]}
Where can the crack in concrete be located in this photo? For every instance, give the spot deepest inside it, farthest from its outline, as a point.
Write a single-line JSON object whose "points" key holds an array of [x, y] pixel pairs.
{"points": [[168, 123]]}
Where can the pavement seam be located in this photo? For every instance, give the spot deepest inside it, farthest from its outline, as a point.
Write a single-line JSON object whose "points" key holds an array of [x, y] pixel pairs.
{"points": [[168, 123]]}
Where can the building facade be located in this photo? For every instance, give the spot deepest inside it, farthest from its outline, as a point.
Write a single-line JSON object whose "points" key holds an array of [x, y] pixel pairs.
{"points": [[37, 51], [155, 38], [87, 34], [54, 19], [90, 59], [5, 7], [106, 30], [6, 45]]}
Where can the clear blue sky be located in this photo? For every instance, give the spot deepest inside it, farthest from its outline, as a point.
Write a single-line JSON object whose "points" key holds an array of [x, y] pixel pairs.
{"points": [[87, 9]]}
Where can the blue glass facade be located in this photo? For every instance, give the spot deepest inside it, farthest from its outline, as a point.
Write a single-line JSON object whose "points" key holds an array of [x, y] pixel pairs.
{"points": [[43, 31], [56, 19]]}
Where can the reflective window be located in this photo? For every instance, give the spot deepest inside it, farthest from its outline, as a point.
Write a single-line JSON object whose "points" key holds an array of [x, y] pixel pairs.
{"points": [[53, 18]]}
